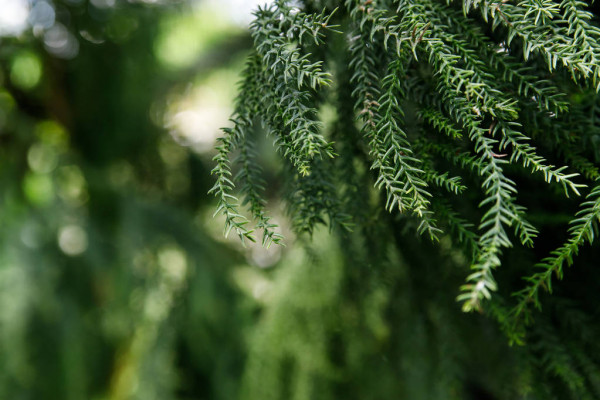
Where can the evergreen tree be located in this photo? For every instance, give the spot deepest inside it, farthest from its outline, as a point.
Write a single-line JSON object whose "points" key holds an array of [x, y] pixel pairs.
{"points": [[460, 163]]}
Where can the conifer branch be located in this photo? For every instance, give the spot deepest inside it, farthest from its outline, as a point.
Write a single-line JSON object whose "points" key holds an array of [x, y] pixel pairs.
{"points": [[521, 150], [583, 229], [399, 170], [539, 25], [463, 159], [585, 167], [441, 123], [224, 185], [443, 180], [499, 58], [252, 185], [459, 226], [480, 105], [291, 72]]}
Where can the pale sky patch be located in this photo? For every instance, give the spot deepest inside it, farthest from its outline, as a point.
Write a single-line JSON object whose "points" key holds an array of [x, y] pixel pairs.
{"points": [[13, 17]]}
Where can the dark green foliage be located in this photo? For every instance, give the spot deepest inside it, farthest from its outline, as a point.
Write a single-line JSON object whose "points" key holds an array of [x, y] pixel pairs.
{"points": [[479, 123]]}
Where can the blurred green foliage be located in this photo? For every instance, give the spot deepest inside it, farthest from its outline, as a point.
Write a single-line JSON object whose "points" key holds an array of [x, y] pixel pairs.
{"points": [[110, 287]]}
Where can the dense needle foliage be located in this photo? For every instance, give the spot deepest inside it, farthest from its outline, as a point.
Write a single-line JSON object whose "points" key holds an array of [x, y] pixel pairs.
{"points": [[475, 125]]}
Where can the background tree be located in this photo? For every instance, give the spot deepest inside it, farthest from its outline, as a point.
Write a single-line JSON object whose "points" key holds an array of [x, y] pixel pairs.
{"points": [[110, 286]]}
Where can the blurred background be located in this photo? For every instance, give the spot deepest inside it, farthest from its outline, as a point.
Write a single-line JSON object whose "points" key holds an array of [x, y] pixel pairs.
{"points": [[115, 280]]}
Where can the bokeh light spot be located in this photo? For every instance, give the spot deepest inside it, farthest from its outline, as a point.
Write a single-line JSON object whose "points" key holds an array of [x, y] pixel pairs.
{"points": [[38, 188], [6, 101], [72, 240], [26, 70], [182, 39], [42, 158], [173, 264], [42, 16], [60, 42], [102, 4], [72, 185], [52, 133]]}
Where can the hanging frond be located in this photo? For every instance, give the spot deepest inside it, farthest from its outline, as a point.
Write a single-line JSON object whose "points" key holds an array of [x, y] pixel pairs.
{"points": [[438, 109]]}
